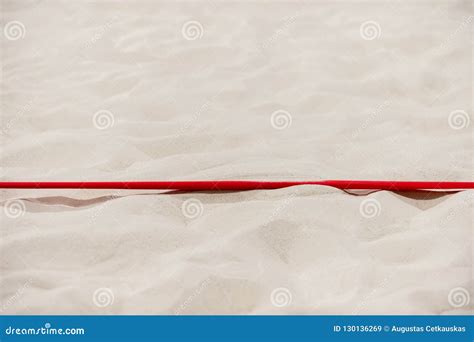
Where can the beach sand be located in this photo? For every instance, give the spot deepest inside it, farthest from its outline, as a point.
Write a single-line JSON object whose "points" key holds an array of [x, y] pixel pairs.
{"points": [[242, 90]]}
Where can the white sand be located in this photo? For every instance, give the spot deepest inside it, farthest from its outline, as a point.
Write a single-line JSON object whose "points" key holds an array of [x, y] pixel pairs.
{"points": [[180, 108]]}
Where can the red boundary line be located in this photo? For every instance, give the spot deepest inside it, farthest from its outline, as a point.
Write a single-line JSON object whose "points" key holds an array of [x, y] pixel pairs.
{"points": [[241, 185]]}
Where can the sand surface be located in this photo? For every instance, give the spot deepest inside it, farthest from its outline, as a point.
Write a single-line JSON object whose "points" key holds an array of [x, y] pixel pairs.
{"points": [[158, 90]]}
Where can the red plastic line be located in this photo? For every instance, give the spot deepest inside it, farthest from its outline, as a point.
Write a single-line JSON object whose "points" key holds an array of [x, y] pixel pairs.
{"points": [[240, 185]]}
